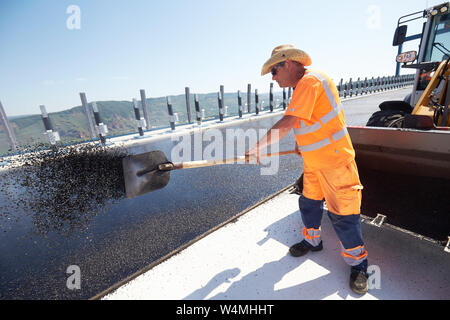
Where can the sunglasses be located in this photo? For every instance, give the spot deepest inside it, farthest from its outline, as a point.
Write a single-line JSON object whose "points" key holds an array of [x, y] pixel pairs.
{"points": [[274, 69]]}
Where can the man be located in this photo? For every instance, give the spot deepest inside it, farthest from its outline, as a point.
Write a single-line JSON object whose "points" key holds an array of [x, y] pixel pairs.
{"points": [[329, 168]]}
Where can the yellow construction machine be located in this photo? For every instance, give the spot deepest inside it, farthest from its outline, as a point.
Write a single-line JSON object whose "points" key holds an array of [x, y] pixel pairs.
{"points": [[412, 136], [403, 153]]}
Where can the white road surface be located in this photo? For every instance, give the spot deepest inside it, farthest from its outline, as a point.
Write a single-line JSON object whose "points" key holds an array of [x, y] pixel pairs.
{"points": [[249, 259]]}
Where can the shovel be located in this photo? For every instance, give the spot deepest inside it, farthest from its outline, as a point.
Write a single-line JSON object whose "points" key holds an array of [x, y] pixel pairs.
{"points": [[150, 171]]}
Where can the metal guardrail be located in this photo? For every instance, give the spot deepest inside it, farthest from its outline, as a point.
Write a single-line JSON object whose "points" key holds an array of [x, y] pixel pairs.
{"points": [[373, 85], [346, 90]]}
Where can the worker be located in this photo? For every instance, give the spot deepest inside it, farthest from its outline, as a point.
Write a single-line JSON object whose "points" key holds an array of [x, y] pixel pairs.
{"points": [[329, 169]]}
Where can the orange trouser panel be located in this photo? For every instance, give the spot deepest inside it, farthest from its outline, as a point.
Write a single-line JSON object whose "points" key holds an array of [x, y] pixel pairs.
{"points": [[340, 187]]}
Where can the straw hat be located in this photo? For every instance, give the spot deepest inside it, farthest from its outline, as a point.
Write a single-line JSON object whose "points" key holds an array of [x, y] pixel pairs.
{"points": [[283, 53]]}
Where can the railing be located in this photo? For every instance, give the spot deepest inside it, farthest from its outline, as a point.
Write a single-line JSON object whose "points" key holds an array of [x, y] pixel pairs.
{"points": [[99, 130], [373, 85]]}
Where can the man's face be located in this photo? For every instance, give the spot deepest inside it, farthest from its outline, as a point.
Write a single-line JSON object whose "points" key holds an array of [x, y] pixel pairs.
{"points": [[281, 74]]}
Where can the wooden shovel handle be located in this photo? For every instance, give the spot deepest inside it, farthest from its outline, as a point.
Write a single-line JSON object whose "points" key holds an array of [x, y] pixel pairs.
{"points": [[207, 163]]}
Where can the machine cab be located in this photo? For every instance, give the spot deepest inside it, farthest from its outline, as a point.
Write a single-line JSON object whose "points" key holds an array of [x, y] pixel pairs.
{"points": [[434, 45]]}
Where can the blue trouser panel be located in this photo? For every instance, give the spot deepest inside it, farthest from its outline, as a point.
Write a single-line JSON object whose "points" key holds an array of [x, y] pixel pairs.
{"points": [[311, 212], [347, 228]]}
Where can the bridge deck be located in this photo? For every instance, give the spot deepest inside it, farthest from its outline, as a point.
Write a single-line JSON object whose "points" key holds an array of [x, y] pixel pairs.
{"points": [[249, 259]]}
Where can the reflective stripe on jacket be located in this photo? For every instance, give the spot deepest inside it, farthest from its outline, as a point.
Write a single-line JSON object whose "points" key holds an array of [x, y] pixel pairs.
{"points": [[321, 131]]}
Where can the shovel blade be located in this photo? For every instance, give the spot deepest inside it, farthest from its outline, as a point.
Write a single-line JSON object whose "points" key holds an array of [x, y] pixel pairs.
{"points": [[136, 185]]}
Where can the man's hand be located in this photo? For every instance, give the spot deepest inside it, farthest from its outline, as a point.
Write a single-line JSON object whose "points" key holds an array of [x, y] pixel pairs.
{"points": [[275, 134], [252, 153], [297, 150]]}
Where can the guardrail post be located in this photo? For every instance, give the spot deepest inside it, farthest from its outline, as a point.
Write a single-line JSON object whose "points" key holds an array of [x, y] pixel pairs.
{"points": [[87, 114], [188, 104], [102, 129], [350, 88], [144, 109], [271, 97], [219, 101], [222, 97], [197, 110], [8, 130], [52, 136], [249, 97], [239, 104], [359, 89], [171, 114], [256, 102], [139, 121]]}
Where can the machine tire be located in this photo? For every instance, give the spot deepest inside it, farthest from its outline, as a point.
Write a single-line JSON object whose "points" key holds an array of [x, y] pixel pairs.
{"points": [[387, 118], [396, 105]]}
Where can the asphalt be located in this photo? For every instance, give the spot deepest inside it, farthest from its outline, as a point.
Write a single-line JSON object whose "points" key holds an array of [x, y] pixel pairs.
{"points": [[109, 237]]}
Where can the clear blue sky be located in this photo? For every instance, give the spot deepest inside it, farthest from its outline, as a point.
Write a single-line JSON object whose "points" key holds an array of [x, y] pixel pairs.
{"points": [[164, 46]]}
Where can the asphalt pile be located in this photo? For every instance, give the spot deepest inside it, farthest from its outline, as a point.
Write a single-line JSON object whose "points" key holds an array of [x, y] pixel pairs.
{"points": [[63, 188]]}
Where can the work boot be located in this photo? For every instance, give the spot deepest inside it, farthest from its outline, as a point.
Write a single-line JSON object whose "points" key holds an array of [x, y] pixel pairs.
{"points": [[301, 248], [359, 281]]}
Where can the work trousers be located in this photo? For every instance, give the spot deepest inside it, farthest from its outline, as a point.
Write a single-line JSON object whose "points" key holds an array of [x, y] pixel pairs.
{"points": [[341, 190], [347, 228]]}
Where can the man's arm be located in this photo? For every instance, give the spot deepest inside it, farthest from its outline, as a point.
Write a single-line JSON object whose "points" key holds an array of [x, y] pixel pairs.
{"points": [[283, 126]]}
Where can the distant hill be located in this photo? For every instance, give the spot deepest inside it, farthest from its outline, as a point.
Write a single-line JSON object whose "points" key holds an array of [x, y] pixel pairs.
{"points": [[119, 117]]}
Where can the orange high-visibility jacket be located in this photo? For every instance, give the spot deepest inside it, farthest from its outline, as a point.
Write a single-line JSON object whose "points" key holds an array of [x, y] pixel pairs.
{"points": [[321, 131]]}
